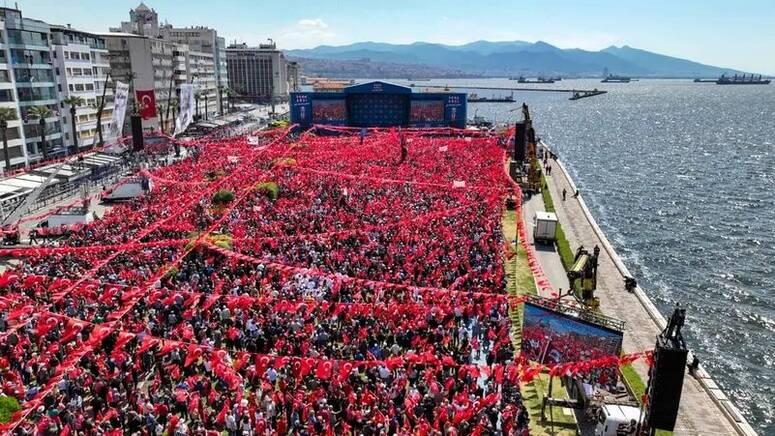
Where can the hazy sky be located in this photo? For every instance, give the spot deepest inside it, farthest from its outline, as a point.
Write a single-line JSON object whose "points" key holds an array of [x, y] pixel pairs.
{"points": [[730, 33]]}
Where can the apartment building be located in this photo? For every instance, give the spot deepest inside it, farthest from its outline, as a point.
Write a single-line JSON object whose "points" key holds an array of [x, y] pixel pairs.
{"points": [[198, 68], [27, 80], [81, 69], [258, 74], [145, 64], [205, 46]]}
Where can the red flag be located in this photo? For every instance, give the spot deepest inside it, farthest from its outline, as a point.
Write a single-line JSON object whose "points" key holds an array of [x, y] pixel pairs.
{"points": [[146, 103], [324, 370]]}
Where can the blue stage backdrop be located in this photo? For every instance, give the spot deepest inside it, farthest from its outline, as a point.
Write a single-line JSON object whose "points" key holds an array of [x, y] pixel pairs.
{"points": [[379, 104]]}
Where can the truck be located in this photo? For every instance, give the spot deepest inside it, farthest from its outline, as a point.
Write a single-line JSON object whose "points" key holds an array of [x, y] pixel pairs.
{"points": [[617, 420], [62, 222], [544, 227], [128, 188]]}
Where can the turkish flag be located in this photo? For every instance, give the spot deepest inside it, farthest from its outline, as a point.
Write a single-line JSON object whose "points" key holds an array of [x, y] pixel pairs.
{"points": [[146, 104]]}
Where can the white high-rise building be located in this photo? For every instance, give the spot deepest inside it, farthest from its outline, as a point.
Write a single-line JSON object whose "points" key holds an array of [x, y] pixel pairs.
{"points": [[203, 41], [81, 67]]}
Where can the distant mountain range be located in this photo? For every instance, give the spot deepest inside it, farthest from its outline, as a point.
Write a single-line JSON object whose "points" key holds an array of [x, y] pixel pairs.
{"points": [[505, 58]]}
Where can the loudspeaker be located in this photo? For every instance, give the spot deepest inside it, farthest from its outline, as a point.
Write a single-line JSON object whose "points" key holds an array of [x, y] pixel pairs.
{"points": [[665, 384], [137, 133]]}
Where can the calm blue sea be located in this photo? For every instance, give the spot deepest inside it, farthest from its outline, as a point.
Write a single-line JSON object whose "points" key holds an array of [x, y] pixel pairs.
{"points": [[681, 177]]}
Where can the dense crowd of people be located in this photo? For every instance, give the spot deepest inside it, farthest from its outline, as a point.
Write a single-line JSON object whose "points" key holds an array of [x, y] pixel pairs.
{"points": [[366, 297]]}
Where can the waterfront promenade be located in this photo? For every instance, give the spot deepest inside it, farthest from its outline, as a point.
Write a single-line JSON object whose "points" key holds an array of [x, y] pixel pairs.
{"points": [[704, 410]]}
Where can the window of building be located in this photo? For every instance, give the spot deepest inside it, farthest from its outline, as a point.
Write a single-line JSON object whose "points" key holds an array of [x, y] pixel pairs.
{"points": [[70, 87], [35, 93], [89, 87], [56, 70], [79, 86], [12, 133], [6, 95]]}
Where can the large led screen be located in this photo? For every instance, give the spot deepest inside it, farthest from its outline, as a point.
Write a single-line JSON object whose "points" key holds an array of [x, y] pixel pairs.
{"points": [[329, 111], [427, 111], [549, 337]]}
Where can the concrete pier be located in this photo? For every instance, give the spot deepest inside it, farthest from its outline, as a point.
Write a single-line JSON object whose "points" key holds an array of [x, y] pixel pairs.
{"points": [[704, 410]]}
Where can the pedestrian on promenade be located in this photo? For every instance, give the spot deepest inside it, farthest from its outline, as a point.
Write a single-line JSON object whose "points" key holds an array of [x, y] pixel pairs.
{"points": [[564, 193], [576, 195]]}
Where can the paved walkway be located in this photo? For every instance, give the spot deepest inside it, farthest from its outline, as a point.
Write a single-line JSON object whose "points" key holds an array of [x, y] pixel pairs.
{"points": [[699, 414]]}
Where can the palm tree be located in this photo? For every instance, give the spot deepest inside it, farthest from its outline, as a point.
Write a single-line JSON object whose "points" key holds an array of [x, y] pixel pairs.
{"points": [[100, 106], [41, 113], [159, 110], [197, 96], [174, 105], [6, 114], [221, 88], [230, 94], [74, 101], [205, 95]]}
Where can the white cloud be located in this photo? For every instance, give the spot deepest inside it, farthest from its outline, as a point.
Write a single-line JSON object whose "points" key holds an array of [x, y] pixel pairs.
{"points": [[306, 33], [312, 24]]}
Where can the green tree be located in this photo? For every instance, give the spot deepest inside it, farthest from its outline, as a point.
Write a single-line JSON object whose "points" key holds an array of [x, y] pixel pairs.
{"points": [[174, 105], [6, 114], [74, 102], [41, 113], [197, 96], [231, 94]]}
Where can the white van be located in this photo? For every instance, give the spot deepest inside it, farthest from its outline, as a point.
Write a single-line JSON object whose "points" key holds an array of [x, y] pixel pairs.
{"points": [[544, 227], [617, 420]]}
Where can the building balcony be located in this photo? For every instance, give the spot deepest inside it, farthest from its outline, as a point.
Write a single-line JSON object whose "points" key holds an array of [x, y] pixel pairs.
{"points": [[44, 102], [49, 137], [27, 45]]}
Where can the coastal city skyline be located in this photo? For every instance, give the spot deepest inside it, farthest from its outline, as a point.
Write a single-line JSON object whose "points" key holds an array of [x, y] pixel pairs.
{"points": [[363, 218], [689, 30]]}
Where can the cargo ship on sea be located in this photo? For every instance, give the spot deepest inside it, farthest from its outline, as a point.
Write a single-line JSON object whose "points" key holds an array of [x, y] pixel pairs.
{"points": [[742, 80], [474, 98], [611, 78], [539, 79]]}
